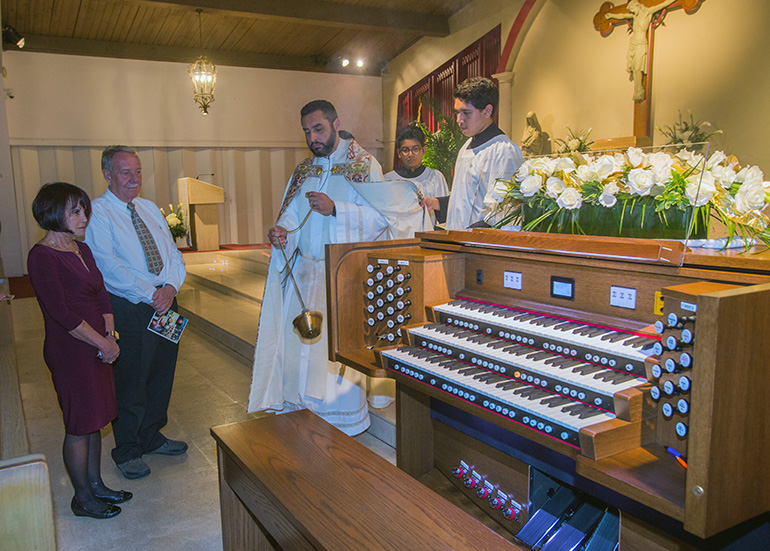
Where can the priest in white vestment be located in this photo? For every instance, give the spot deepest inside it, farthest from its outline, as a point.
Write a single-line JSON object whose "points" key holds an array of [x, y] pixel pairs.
{"points": [[320, 206], [488, 155]]}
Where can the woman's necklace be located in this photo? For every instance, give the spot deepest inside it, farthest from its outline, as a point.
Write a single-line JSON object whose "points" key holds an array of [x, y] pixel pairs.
{"points": [[68, 246]]}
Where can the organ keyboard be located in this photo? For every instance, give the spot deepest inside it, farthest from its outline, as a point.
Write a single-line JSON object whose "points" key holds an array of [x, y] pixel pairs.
{"points": [[513, 350]]}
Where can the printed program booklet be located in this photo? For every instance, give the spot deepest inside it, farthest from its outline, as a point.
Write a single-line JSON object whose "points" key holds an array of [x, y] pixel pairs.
{"points": [[169, 326]]}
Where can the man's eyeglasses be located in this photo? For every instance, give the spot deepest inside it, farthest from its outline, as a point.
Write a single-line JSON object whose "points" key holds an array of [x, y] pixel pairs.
{"points": [[413, 150]]}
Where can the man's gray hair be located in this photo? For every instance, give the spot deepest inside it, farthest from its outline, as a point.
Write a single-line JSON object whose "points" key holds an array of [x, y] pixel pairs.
{"points": [[111, 151]]}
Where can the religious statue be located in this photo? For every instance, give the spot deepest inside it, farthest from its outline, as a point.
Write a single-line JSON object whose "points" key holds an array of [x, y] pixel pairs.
{"points": [[532, 141], [636, 60]]}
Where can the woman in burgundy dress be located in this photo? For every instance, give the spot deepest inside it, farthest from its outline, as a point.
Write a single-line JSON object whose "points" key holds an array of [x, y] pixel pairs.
{"points": [[80, 340]]}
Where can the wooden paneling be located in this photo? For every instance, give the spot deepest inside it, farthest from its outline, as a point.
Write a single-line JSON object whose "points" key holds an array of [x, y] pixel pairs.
{"points": [[300, 34], [477, 60], [253, 179]]}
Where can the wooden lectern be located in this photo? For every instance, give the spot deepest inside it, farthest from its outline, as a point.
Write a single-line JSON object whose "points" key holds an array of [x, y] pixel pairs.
{"points": [[200, 199]]}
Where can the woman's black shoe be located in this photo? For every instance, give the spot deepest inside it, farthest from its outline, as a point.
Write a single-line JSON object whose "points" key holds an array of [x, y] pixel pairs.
{"points": [[81, 511], [120, 497]]}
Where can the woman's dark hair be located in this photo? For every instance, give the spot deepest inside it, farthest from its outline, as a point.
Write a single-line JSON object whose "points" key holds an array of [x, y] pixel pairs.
{"points": [[52, 201]]}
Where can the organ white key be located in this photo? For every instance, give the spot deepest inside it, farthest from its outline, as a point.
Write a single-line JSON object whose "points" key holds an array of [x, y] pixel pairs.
{"points": [[569, 381], [595, 344], [553, 421]]}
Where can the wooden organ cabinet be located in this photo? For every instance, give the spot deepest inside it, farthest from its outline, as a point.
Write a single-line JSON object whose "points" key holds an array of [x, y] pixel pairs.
{"points": [[580, 391]]}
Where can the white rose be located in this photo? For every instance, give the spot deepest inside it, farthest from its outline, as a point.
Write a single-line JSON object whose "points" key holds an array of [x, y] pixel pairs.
{"points": [[564, 164], [724, 175], [692, 159], [750, 197], [750, 175], [539, 163], [172, 219], [700, 189], [573, 144], [570, 198], [607, 200], [660, 163], [610, 189], [604, 166], [717, 158], [498, 191], [587, 173], [553, 187], [635, 156], [523, 171], [531, 185], [640, 180], [550, 165]]}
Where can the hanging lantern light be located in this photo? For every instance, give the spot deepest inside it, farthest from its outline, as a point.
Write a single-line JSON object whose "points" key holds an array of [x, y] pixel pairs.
{"points": [[203, 74]]}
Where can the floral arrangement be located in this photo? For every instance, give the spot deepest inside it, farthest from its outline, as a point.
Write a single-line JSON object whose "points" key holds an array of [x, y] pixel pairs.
{"points": [[575, 141], [687, 133], [175, 221], [634, 191]]}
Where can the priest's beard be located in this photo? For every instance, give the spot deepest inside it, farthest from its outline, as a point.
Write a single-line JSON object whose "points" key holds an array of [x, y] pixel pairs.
{"points": [[326, 147]]}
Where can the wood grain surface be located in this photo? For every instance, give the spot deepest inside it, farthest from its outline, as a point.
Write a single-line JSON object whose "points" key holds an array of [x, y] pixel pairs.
{"points": [[335, 494]]}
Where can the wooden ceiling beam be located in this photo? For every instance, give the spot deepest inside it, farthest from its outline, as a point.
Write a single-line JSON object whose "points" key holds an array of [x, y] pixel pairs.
{"points": [[100, 48], [319, 12]]}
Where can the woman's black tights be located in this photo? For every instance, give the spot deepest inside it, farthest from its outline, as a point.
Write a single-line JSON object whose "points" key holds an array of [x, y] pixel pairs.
{"points": [[82, 459]]}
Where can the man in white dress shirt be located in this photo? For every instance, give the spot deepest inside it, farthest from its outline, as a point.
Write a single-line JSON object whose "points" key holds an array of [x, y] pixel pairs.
{"points": [[142, 275], [320, 206], [488, 155]]}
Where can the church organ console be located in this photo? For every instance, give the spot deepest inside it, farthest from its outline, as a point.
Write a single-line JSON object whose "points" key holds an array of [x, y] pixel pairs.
{"points": [[582, 391]]}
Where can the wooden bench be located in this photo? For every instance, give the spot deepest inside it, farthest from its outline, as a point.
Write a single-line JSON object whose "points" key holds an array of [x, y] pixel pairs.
{"points": [[26, 506], [294, 482]]}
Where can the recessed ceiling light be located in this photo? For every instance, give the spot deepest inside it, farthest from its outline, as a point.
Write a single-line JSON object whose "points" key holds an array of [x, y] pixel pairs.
{"points": [[345, 62]]}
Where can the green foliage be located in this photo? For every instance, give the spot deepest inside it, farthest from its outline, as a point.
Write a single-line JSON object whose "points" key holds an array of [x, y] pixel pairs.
{"points": [[443, 145], [575, 141], [688, 133]]}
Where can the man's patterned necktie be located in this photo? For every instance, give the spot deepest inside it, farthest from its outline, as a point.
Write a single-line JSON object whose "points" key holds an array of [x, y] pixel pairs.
{"points": [[150, 248]]}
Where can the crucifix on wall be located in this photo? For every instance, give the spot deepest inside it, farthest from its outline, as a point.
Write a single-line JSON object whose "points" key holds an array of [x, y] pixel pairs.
{"points": [[642, 16]]}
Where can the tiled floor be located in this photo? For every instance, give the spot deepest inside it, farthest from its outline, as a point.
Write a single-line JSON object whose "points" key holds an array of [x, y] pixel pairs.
{"points": [[177, 506]]}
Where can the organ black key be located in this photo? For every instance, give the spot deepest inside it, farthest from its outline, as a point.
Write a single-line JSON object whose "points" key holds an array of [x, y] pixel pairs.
{"points": [[538, 394], [470, 370], [556, 401], [539, 355], [510, 385], [616, 336], [499, 344], [588, 369], [638, 342], [518, 350], [589, 412]]}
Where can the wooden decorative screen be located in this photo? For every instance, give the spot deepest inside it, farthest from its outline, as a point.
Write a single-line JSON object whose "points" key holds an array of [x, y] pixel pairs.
{"points": [[480, 59]]}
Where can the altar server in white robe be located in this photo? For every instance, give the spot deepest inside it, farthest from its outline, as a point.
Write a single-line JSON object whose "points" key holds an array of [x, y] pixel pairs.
{"points": [[321, 203], [410, 145], [488, 155]]}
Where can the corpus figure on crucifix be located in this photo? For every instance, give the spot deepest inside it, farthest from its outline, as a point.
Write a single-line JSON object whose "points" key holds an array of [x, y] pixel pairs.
{"points": [[641, 17]]}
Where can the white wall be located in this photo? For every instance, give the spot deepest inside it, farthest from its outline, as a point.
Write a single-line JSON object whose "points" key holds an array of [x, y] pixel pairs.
{"points": [[67, 108], [75, 100]]}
